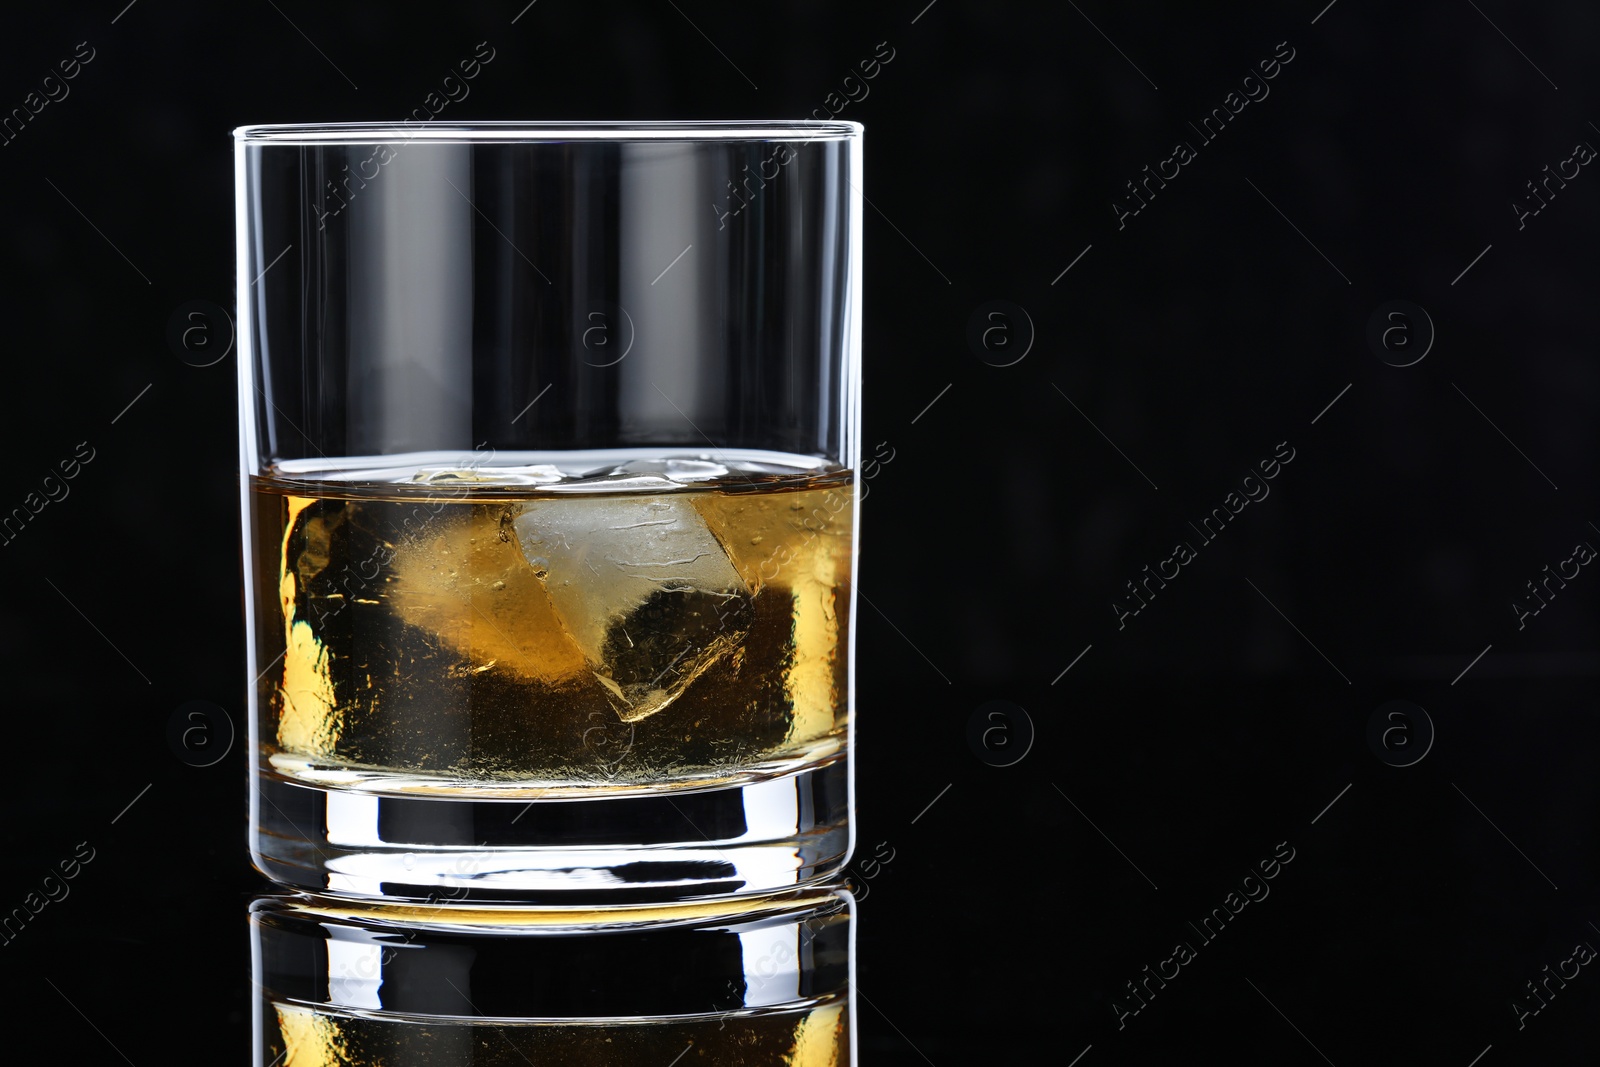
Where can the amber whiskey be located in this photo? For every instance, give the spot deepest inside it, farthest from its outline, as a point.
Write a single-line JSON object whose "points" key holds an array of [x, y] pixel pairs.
{"points": [[653, 625]]}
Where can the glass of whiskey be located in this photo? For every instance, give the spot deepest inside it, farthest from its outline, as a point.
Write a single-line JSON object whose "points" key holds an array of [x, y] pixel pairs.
{"points": [[763, 980], [549, 437]]}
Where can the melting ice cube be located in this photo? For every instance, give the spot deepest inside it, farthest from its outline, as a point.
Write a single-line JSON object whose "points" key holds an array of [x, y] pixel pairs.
{"points": [[645, 589], [676, 468]]}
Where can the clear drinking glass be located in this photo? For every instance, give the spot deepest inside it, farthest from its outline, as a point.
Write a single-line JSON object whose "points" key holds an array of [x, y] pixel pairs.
{"points": [[549, 438], [760, 981]]}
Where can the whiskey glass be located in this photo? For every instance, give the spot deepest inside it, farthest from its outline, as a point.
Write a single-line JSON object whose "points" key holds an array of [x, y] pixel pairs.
{"points": [[549, 437], [764, 979]]}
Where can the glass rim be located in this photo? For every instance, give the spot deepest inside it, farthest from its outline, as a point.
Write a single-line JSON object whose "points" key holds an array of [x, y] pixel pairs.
{"points": [[337, 133]]}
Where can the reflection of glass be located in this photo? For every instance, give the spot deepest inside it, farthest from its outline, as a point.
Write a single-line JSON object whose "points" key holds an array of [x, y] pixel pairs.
{"points": [[550, 447], [765, 980]]}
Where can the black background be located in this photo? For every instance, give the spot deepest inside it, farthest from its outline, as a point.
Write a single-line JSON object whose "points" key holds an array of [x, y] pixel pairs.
{"points": [[1177, 352]]}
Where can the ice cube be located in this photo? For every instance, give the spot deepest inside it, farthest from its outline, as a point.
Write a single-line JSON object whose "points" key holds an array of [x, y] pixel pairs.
{"points": [[681, 469], [654, 475], [533, 474], [644, 588]]}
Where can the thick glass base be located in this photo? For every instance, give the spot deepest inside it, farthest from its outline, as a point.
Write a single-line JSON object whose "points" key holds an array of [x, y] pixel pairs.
{"points": [[754, 837]]}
